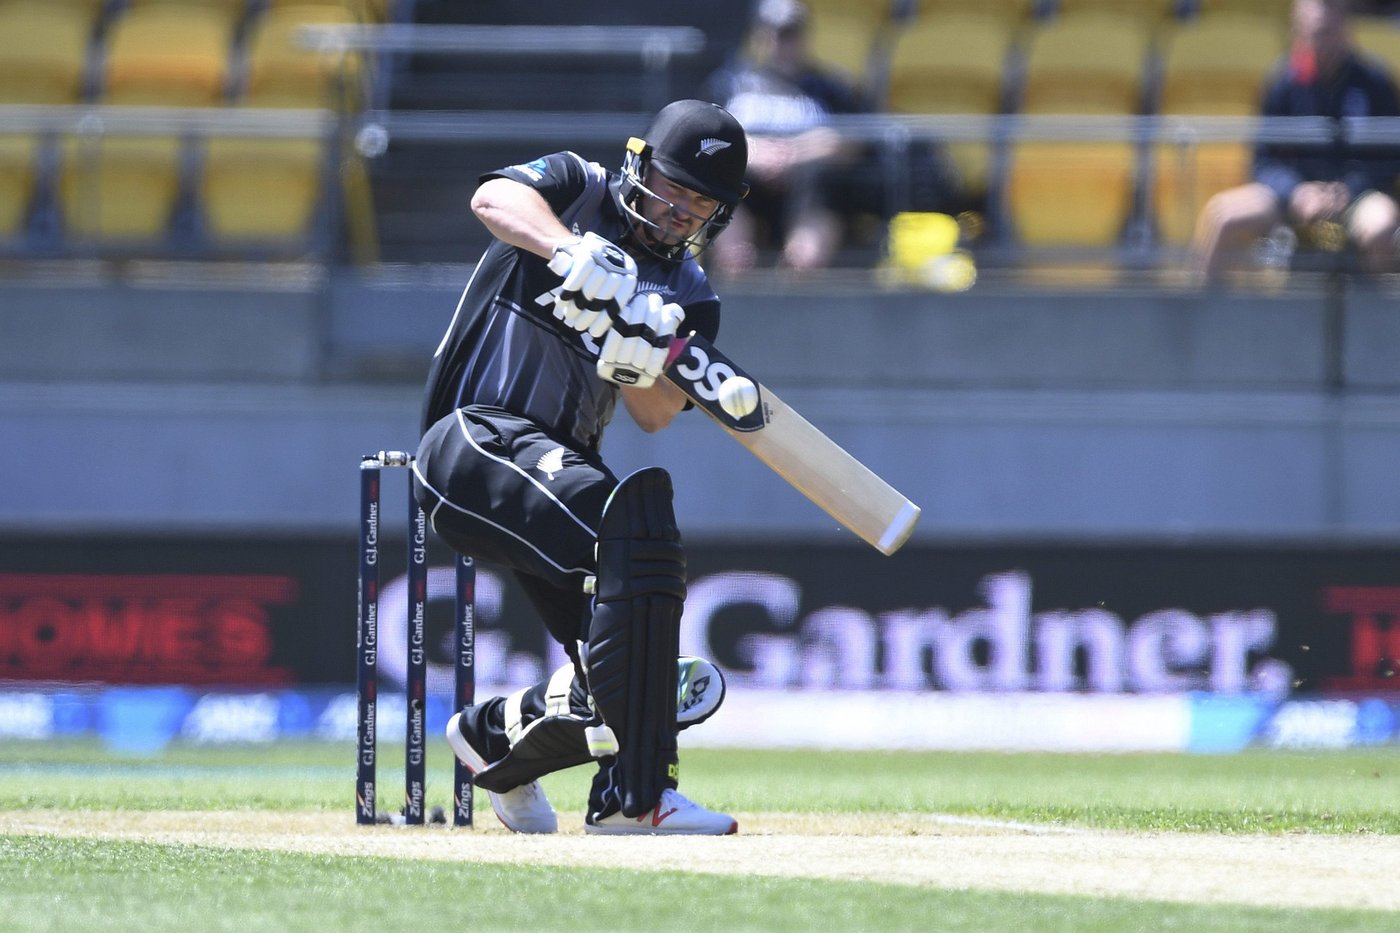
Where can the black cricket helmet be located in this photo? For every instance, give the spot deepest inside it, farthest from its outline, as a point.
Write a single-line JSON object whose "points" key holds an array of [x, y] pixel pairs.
{"points": [[695, 144]]}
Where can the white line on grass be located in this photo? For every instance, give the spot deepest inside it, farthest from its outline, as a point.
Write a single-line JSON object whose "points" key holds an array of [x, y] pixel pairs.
{"points": [[981, 822]]}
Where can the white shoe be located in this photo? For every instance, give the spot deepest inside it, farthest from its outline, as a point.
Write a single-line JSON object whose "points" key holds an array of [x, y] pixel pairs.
{"points": [[674, 815], [523, 809]]}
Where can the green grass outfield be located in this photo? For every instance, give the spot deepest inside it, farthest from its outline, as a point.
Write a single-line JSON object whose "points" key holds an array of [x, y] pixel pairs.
{"points": [[64, 881]]}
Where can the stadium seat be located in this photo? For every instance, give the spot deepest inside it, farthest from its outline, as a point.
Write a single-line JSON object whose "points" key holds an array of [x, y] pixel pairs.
{"points": [[119, 188], [43, 60], [1078, 193], [1151, 12], [847, 41], [43, 51], [1010, 11], [952, 63], [1185, 175], [1274, 10], [266, 191], [1218, 65], [261, 189], [282, 72], [366, 11], [126, 189], [91, 11], [876, 11], [1085, 63], [1213, 66], [168, 54], [18, 160], [1379, 38], [230, 10]]}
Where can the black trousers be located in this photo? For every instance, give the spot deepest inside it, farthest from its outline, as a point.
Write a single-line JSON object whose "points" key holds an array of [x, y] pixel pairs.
{"points": [[497, 488]]}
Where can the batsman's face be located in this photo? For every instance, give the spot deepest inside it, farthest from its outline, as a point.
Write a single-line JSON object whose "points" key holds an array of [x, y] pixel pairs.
{"points": [[677, 212]]}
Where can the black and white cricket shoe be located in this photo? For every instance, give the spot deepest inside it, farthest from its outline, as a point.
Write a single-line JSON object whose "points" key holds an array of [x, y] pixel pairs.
{"points": [[523, 809]]}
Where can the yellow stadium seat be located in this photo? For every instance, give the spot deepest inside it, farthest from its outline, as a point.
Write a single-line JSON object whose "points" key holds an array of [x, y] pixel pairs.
{"points": [[1186, 175], [1219, 65], [366, 11], [261, 189], [1380, 39], [1151, 12], [43, 51], [952, 63], [1276, 10], [168, 54], [846, 41], [1211, 66], [876, 11], [282, 72], [18, 157], [1088, 62], [233, 10], [1076, 194], [1010, 11], [119, 187], [90, 10], [266, 190], [126, 188]]}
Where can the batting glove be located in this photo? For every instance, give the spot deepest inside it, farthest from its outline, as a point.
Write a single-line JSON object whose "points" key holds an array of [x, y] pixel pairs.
{"points": [[634, 352], [599, 280]]}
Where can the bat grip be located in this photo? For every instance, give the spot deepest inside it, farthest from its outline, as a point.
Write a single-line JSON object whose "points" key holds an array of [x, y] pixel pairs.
{"points": [[676, 348]]}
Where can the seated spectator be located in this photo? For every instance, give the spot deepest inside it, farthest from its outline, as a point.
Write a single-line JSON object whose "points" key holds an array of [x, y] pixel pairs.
{"points": [[784, 100], [1310, 187]]}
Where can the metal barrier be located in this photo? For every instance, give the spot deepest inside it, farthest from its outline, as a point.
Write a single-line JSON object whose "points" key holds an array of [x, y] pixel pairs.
{"points": [[354, 140]]}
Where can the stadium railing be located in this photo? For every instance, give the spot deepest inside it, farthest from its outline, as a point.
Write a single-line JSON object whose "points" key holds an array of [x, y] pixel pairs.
{"points": [[1128, 235]]}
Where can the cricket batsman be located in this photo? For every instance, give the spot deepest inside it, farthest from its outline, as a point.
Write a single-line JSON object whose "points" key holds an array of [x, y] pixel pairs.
{"points": [[573, 307]]}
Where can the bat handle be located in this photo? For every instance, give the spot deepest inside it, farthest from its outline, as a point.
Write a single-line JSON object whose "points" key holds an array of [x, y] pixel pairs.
{"points": [[677, 347]]}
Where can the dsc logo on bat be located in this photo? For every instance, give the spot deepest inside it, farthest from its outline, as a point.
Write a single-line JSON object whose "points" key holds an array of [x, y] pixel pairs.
{"points": [[700, 370], [705, 375]]}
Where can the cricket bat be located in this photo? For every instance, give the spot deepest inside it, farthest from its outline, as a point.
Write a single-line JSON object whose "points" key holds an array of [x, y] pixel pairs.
{"points": [[815, 465]]}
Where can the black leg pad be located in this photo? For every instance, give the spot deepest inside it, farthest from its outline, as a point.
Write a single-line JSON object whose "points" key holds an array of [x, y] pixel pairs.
{"points": [[634, 636]]}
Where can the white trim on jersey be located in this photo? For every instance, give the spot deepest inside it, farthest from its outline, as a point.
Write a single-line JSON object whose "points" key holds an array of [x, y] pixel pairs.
{"points": [[462, 423], [442, 344], [589, 166], [442, 500]]}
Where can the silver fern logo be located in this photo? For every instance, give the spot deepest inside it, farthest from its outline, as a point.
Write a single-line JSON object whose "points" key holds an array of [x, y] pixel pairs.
{"points": [[551, 463], [709, 147]]}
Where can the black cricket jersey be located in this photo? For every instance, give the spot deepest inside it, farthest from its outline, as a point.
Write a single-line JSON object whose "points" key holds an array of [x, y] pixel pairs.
{"points": [[504, 348]]}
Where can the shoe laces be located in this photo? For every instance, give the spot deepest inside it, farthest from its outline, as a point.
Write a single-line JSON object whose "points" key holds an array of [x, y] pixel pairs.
{"points": [[532, 792], [674, 799]]}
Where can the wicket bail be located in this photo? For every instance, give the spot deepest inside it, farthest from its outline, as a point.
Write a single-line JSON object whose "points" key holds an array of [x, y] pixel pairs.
{"points": [[416, 686]]}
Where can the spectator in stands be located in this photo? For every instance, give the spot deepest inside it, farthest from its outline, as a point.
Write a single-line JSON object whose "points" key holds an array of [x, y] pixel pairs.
{"points": [[784, 99], [1306, 187]]}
